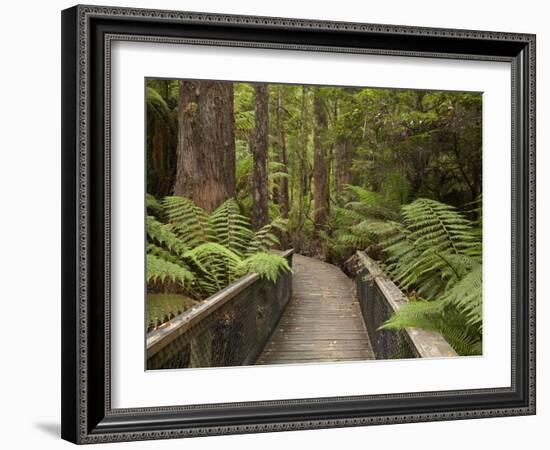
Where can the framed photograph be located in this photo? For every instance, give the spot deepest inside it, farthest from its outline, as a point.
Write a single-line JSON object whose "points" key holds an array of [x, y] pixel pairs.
{"points": [[280, 224]]}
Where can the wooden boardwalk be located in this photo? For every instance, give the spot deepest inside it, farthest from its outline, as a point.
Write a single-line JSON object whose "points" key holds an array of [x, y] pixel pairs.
{"points": [[322, 322]]}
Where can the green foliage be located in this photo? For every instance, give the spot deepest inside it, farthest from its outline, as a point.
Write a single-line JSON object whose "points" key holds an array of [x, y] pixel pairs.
{"points": [[264, 239], [161, 270], [435, 255], [199, 254], [438, 225], [244, 175], [436, 316], [395, 188], [267, 265], [404, 146], [350, 225], [161, 136], [189, 222], [216, 264], [154, 207], [162, 307], [370, 204], [158, 106], [163, 236], [244, 123], [230, 228]]}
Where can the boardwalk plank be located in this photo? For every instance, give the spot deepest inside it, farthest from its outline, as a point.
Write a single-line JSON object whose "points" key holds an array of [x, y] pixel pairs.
{"points": [[323, 321]]}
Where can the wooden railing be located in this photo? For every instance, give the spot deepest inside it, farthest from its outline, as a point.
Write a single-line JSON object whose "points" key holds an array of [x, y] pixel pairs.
{"points": [[380, 298], [230, 328]]}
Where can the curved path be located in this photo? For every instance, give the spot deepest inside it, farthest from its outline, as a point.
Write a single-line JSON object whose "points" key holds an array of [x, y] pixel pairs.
{"points": [[322, 322]]}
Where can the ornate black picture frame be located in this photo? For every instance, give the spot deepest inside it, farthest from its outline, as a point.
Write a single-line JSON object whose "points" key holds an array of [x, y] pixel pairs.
{"points": [[87, 34]]}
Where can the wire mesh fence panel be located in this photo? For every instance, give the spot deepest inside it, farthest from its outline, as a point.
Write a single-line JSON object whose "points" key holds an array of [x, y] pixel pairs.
{"points": [[387, 344], [228, 329], [380, 298]]}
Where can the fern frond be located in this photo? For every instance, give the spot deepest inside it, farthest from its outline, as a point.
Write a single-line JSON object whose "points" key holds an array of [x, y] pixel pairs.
{"points": [[154, 207], [419, 314], [352, 240], [273, 176], [466, 297], [244, 122], [231, 229], [216, 263], [153, 249], [437, 316], [188, 221], [363, 195], [163, 235], [345, 216], [161, 270], [243, 170], [436, 253], [264, 239], [436, 224], [267, 265], [157, 104]]}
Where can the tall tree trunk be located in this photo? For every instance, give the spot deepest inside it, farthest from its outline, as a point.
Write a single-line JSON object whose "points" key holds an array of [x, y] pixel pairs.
{"points": [[206, 143], [344, 154], [473, 182], [281, 144], [162, 146], [260, 213], [302, 154], [320, 163]]}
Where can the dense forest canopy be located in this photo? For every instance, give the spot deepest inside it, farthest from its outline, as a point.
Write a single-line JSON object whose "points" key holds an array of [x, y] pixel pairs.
{"points": [[403, 144], [324, 170]]}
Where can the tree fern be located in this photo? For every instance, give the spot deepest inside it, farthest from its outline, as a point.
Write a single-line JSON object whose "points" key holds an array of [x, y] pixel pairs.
{"points": [[267, 265], [343, 217], [430, 249], [163, 235], [264, 239], [244, 123], [154, 207], [161, 270], [420, 314], [477, 211], [153, 249], [438, 225], [275, 172], [201, 254], [189, 222], [230, 228], [349, 226], [363, 195], [244, 171], [217, 265], [435, 254], [440, 317], [157, 104], [369, 204], [466, 297]]}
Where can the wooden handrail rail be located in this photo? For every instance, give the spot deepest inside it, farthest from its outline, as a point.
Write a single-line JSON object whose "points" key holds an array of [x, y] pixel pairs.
{"points": [[427, 344], [166, 333]]}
